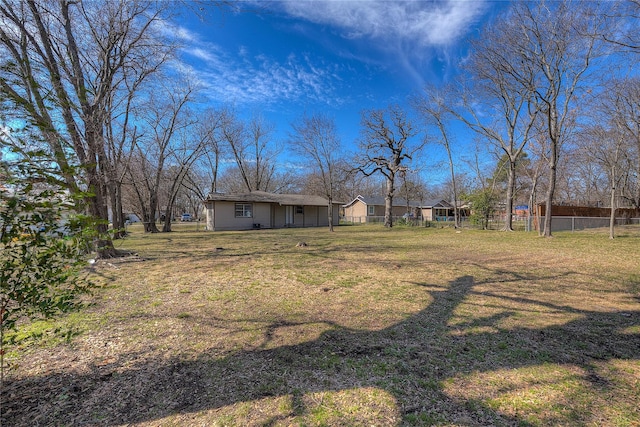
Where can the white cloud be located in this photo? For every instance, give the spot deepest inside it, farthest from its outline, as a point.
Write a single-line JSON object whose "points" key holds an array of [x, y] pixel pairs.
{"points": [[173, 31], [260, 79], [409, 34], [427, 23], [255, 78], [404, 30], [200, 53]]}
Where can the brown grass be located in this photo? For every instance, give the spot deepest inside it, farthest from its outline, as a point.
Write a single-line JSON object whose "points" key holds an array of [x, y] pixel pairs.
{"points": [[364, 326]]}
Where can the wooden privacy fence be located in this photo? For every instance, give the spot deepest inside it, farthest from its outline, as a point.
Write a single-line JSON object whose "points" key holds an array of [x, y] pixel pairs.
{"points": [[587, 211]]}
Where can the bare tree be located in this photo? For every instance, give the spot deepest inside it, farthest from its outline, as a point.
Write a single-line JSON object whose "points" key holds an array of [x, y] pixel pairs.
{"points": [[412, 188], [187, 149], [356, 184], [433, 106], [310, 181], [63, 62], [195, 189], [556, 43], [121, 134], [611, 141], [502, 88], [252, 148], [209, 129], [201, 178], [606, 145], [623, 23], [626, 110], [316, 139], [482, 197], [163, 118], [385, 147], [534, 171]]}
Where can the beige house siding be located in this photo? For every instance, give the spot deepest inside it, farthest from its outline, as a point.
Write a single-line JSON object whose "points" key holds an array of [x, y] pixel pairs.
{"points": [[379, 210], [268, 211], [427, 214], [224, 216], [313, 216], [357, 209], [400, 210], [316, 216], [430, 214], [279, 216]]}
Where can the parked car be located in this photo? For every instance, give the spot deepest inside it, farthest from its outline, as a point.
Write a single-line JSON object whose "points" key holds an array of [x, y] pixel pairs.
{"points": [[186, 217]]}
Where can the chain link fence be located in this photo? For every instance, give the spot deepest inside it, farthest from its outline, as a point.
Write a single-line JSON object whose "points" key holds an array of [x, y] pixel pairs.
{"points": [[497, 222], [576, 223]]}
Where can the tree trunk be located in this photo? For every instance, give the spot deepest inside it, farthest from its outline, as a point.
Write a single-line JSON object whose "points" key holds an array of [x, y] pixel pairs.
{"points": [[456, 218], [150, 220], [549, 201], [532, 202], [636, 201], [150, 224], [553, 165], [511, 186], [388, 204], [612, 219], [330, 214], [456, 215], [97, 206], [166, 226], [117, 215]]}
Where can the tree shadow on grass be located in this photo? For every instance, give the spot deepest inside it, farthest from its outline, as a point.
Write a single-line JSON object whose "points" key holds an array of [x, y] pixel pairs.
{"points": [[423, 363]]}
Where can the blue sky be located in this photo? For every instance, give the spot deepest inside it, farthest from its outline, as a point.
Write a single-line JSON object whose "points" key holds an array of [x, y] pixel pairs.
{"points": [[284, 58]]}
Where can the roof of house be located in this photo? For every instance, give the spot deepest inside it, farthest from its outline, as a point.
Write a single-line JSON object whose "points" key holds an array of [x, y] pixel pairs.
{"points": [[264, 197], [435, 203], [398, 201]]}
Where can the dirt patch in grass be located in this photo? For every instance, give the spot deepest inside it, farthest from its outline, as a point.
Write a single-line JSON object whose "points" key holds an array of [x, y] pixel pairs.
{"points": [[363, 326]]}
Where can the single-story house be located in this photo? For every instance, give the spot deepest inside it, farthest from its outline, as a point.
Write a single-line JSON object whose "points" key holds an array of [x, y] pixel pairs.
{"points": [[371, 209], [259, 209], [436, 210]]}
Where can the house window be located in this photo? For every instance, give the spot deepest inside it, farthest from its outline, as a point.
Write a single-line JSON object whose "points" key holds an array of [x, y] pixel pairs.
{"points": [[244, 210], [299, 210], [371, 210]]}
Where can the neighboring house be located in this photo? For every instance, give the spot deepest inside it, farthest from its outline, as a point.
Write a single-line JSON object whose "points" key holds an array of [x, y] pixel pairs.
{"points": [[521, 211], [437, 210], [258, 209], [371, 209]]}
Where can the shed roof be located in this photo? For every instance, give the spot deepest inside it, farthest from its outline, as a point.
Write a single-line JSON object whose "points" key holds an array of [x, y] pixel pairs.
{"points": [[264, 197]]}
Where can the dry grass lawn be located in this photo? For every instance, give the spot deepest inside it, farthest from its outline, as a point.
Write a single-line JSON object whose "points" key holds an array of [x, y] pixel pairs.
{"points": [[364, 326]]}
